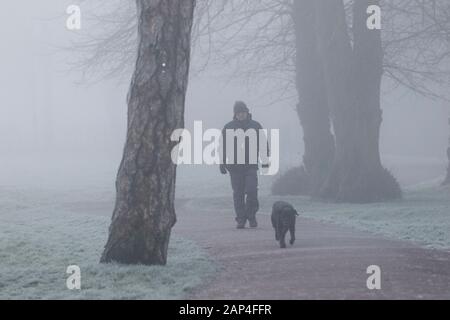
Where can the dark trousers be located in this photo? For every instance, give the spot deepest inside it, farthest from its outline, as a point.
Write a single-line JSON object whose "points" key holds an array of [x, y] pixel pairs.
{"points": [[244, 181]]}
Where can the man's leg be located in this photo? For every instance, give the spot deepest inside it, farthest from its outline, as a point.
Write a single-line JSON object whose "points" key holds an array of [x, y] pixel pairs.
{"points": [[251, 190], [238, 185]]}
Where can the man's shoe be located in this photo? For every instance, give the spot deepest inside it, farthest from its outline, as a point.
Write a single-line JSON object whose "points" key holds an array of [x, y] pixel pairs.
{"points": [[240, 225], [253, 223]]}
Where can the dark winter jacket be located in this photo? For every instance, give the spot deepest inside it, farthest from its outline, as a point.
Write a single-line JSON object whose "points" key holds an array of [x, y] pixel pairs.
{"points": [[245, 125]]}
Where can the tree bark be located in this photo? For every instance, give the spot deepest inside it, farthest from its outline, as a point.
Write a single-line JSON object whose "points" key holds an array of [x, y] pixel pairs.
{"points": [[144, 212], [353, 80], [313, 108]]}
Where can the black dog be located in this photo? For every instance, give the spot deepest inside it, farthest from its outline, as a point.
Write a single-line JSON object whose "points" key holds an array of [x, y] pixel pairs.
{"points": [[283, 219]]}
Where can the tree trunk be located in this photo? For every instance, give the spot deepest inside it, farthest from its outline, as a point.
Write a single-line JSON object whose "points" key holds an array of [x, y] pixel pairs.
{"points": [[144, 213], [353, 80], [313, 108]]}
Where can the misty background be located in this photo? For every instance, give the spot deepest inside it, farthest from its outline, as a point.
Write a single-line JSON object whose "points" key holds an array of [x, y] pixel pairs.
{"points": [[57, 128]]}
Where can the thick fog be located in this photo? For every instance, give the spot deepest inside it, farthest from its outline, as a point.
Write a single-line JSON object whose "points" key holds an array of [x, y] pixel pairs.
{"points": [[56, 127]]}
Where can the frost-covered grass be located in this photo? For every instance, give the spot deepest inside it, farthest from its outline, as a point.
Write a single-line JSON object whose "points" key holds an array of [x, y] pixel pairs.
{"points": [[422, 217], [41, 234]]}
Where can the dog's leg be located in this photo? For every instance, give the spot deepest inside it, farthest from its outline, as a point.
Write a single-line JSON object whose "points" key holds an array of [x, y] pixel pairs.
{"points": [[292, 232], [282, 238], [275, 226]]}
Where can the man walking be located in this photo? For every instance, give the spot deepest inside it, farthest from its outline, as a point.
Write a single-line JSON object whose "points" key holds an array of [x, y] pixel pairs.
{"points": [[243, 169]]}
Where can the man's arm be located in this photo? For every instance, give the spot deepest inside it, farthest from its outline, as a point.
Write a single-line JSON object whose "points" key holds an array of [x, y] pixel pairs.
{"points": [[222, 150], [264, 141]]}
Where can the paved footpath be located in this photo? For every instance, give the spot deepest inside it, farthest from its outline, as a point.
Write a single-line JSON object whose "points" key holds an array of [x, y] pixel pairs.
{"points": [[327, 261]]}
